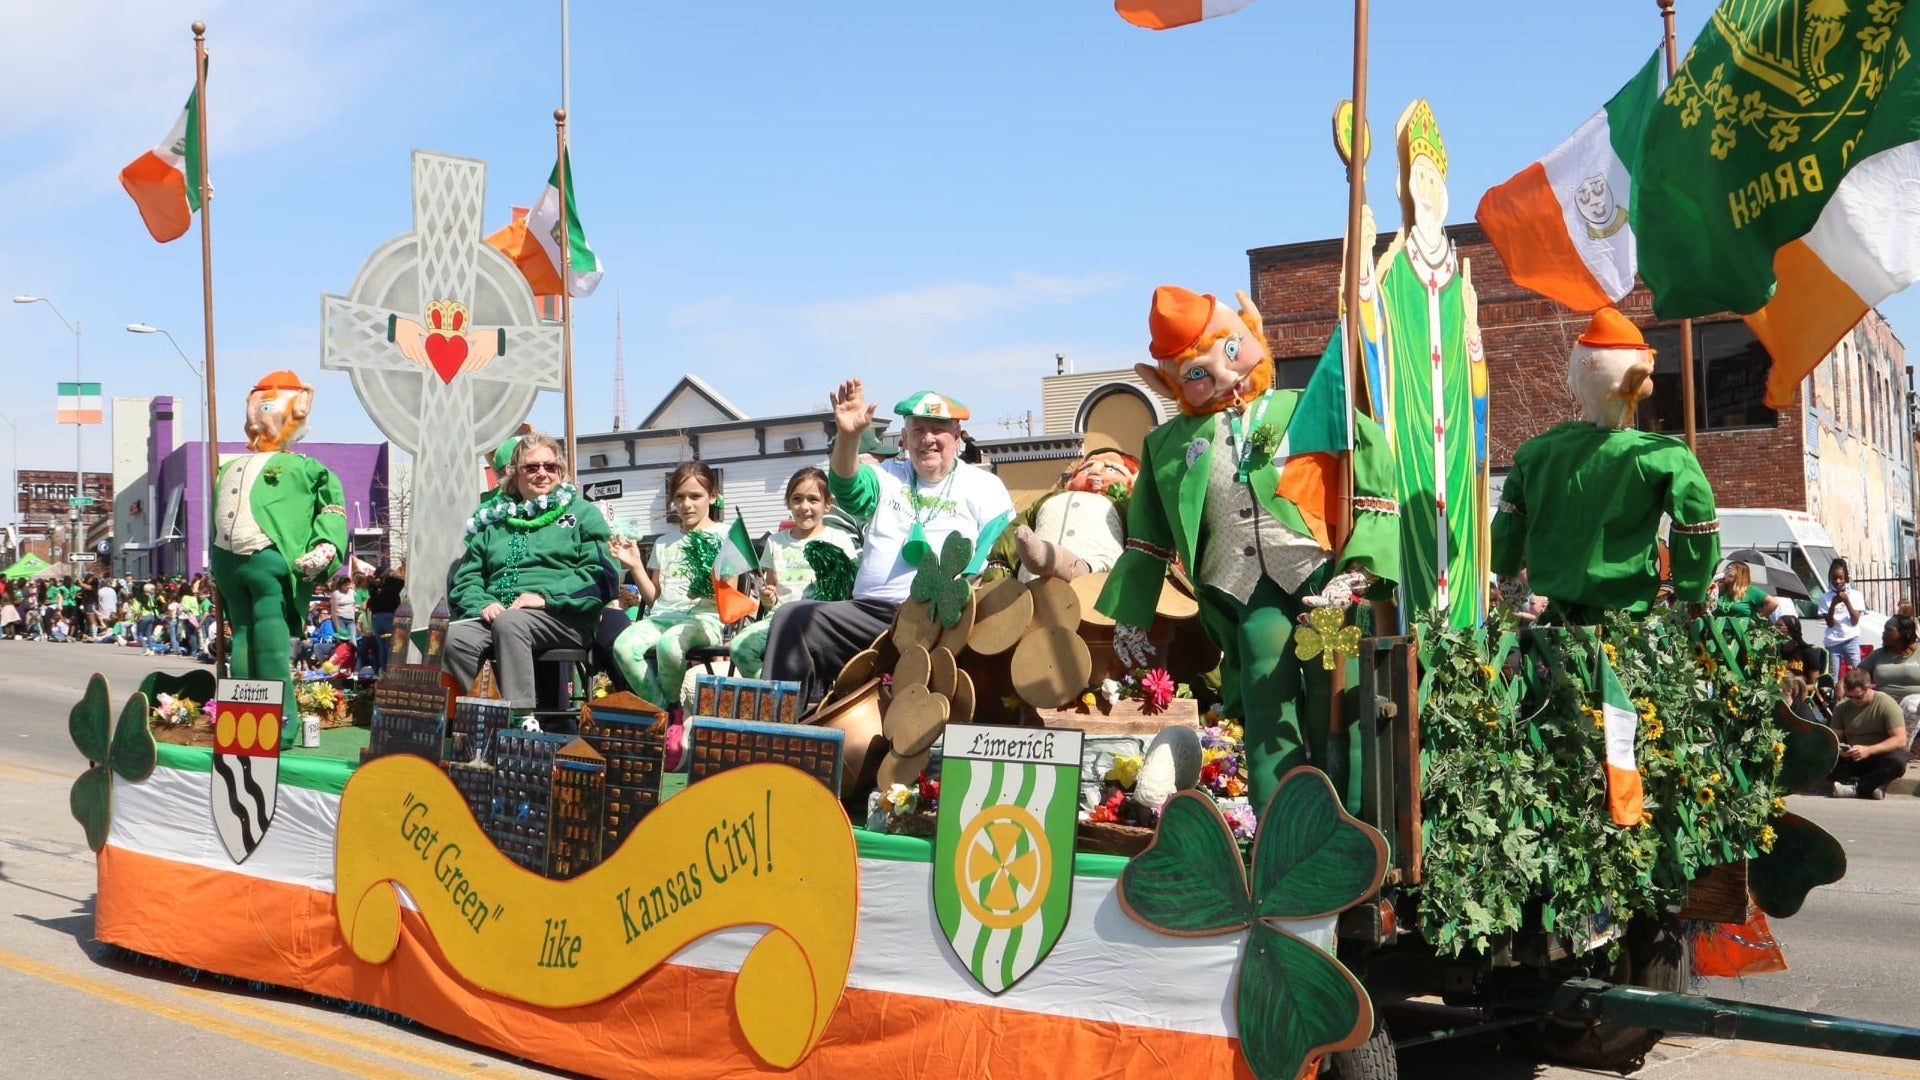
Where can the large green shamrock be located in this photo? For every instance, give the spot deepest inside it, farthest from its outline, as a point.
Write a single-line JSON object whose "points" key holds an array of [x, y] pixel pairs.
{"points": [[1310, 860], [128, 750], [939, 582]]}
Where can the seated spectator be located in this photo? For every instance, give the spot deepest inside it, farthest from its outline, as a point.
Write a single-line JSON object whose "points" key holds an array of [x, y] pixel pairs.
{"points": [[1873, 737], [61, 628], [1895, 667], [1803, 707], [535, 575], [909, 506], [1801, 658], [677, 582]]}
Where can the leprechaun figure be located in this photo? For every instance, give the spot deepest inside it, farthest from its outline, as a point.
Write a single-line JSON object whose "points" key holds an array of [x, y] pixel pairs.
{"points": [[1581, 509], [1220, 491], [279, 524]]}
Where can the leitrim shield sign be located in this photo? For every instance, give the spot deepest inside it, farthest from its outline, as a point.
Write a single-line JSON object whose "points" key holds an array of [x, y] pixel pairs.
{"points": [[1003, 848], [246, 761]]}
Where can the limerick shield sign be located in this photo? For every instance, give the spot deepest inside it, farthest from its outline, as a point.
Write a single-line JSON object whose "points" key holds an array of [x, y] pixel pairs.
{"points": [[1003, 847], [246, 761]]}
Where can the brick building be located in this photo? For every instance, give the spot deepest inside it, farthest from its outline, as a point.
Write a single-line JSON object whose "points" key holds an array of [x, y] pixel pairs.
{"points": [[1842, 452]]}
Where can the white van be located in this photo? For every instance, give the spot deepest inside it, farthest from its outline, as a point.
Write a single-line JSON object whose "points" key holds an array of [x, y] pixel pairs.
{"points": [[1796, 537]]}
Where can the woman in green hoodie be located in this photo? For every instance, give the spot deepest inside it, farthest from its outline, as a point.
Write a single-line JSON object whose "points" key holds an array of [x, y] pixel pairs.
{"points": [[534, 576]]}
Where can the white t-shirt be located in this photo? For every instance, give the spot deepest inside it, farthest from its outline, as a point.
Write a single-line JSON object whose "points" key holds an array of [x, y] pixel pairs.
{"points": [[786, 557], [107, 601], [966, 502], [1842, 631], [671, 559]]}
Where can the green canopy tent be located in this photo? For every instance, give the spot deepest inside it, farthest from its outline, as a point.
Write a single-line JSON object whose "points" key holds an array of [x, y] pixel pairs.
{"points": [[29, 565]]}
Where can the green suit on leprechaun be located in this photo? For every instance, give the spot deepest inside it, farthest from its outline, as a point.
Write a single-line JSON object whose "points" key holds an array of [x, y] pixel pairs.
{"points": [[279, 523], [1257, 546]]}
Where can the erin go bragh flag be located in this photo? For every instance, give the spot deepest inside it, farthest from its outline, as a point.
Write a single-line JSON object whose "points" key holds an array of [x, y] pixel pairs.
{"points": [[79, 403], [1778, 177], [164, 181], [534, 244]]}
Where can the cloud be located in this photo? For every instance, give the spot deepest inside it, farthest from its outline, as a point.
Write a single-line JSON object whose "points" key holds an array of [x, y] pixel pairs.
{"points": [[89, 86]]}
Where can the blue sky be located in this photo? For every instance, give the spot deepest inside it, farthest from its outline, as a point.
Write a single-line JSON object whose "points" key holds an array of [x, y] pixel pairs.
{"points": [[784, 194]]}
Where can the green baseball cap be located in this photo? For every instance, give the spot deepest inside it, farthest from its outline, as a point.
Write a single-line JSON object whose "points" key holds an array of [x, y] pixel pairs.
{"points": [[871, 444]]}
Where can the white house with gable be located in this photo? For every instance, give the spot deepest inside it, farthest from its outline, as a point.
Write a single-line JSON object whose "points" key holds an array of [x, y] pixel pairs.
{"points": [[693, 422]]}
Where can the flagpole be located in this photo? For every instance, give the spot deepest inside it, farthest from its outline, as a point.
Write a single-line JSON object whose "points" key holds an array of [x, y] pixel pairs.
{"points": [[566, 276], [1350, 345], [211, 451], [1686, 325]]}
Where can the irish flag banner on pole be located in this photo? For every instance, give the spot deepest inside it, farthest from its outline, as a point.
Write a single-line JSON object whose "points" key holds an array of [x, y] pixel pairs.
{"points": [[735, 557], [534, 244], [163, 181], [1167, 14], [79, 403], [1561, 226]]}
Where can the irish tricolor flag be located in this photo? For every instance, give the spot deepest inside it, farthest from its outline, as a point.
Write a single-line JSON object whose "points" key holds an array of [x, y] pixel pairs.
{"points": [[1622, 726], [163, 181], [1561, 226], [79, 403], [1167, 14], [534, 244], [736, 557]]}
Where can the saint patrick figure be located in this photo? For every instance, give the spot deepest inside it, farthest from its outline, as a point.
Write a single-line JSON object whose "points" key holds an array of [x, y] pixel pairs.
{"points": [[1436, 389]]}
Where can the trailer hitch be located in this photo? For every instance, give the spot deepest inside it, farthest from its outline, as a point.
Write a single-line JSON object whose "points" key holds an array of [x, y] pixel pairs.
{"points": [[1635, 1006]]}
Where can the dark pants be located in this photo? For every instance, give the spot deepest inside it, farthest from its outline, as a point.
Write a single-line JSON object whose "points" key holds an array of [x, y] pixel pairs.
{"points": [[1872, 772], [811, 640], [383, 632], [511, 640], [254, 590], [1283, 701]]}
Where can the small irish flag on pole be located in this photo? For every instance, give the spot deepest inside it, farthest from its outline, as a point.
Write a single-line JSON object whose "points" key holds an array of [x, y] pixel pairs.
{"points": [[164, 180], [1167, 14], [1622, 726], [736, 557], [534, 244], [79, 403]]}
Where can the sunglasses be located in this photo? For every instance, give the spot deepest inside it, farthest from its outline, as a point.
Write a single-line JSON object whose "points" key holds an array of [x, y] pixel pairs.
{"points": [[539, 466]]}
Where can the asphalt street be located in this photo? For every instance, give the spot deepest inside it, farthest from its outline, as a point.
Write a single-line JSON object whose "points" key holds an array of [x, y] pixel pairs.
{"points": [[74, 1012]]}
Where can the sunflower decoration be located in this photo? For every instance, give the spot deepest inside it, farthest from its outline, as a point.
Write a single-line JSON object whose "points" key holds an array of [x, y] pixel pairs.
{"points": [[1327, 636]]}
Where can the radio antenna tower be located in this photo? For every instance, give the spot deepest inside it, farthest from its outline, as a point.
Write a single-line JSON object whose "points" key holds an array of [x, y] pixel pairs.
{"points": [[619, 370]]}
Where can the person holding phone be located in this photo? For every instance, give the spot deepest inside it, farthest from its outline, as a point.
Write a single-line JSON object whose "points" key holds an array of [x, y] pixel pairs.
{"points": [[1873, 737], [1840, 606]]}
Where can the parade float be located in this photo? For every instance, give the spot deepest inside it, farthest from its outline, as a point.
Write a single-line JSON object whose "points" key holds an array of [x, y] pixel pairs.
{"points": [[1376, 786]]}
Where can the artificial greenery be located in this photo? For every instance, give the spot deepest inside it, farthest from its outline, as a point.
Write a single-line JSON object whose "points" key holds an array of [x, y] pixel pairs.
{"points": [[1514, 808]]}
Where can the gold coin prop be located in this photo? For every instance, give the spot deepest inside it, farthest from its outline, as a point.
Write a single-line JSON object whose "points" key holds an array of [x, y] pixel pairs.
{"points": [[1087, 588], [865, 665], [915, 718], [1054, 604], [954, 638], [1002, 612], [914, 669], [960, 705], [899, 769], [1050, 665], [914, 625], [943, 670]]}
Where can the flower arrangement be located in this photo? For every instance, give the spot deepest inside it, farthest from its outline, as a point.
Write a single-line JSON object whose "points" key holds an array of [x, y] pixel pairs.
{"points": [[910, 808], [175, 712], [1153, 688], [316, 696], [1222, 776]]}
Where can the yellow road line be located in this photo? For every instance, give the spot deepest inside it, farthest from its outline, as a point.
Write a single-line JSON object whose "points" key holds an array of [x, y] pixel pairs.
{"points": [[375, 1044], [202, 1020], [33, 772], [1824, 1059]]}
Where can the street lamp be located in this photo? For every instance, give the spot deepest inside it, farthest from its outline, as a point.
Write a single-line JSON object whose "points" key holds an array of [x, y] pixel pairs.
{"points": [[198, 373], [79, 478]]}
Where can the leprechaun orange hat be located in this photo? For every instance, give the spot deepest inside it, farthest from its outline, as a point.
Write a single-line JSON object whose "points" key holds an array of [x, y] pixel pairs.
{"points": [[1612, 330], [1177, 319]]}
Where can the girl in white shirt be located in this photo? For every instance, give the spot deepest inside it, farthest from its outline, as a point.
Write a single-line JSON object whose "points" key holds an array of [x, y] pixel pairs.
{"points": [[678, 581], [793, 561], [1840, 606]]}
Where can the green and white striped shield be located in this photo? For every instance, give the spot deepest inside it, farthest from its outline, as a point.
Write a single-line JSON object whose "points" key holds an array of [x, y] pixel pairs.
{"points": [[1003, 848]]}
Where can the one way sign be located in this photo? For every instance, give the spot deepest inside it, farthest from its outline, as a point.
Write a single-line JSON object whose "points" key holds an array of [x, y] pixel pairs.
{"points": [[602, 490]]}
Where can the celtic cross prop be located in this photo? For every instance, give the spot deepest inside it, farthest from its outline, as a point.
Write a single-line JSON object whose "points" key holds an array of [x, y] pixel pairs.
{"points": [[442, 339]]}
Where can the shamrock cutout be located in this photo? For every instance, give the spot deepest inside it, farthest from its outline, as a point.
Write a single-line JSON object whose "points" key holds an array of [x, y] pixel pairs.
{"points": [[1311, 860], [1327, 636], [939, 583], [1804, 857], [127, 749]]}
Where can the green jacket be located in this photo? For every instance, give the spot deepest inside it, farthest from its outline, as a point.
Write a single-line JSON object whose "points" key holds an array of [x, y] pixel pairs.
{"points": [[1581, 512], [297, 502], [564, 561], [1164, 513]]}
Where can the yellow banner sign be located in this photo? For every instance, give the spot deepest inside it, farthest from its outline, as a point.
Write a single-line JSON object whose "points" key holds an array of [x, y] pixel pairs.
{"points": [[758, 845]]}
